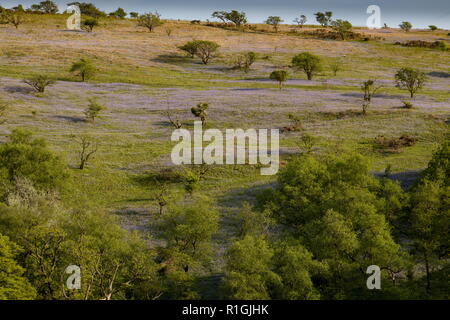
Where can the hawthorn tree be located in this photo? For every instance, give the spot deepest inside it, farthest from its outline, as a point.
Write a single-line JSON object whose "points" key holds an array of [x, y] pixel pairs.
{"points": [[150, 21], [342, 27], [309, 63], [301, 20], [274, 21], [410, 79], [84, 68], [279, 75], [405, 26], [324, 18]]}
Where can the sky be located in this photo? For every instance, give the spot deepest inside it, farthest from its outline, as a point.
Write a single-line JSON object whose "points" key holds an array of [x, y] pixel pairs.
{"points": [[421, 13]]}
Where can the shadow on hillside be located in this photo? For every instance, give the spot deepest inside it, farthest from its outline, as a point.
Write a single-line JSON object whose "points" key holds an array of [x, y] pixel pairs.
{"points": [[439, 74], [171, 59], [378, 95], [18, 89], [71, 119], [237, 197], [406, 178]]}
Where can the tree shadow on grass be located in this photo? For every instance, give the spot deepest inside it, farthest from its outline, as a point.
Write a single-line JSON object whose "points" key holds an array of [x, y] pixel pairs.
{"points": [[439, 74], [405, 178], [19, 89], [171, 59], [71, 119]]}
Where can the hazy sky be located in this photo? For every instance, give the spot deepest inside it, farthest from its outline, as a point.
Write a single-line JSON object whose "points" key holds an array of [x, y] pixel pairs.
{"points": [[420, 13]]}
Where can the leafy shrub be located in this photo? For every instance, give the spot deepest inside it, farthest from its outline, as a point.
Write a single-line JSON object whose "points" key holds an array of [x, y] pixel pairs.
{"points": [[394, 144], [433, 27], [406, 26], [279, 75], [200, 112], [150, 21], [410, 79], [274, 21], [308, 62], [407, 104], [39, 82], [245, 61], [85, 69], [89, 24], [93, 110], [342, 27]]}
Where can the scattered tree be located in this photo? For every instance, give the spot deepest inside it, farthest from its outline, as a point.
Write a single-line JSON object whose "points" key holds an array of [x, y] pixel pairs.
{"points": [[88, 147], [39, 82], [221, 15], [279, 75], [336, 66], [244, 61], [301, 21], [46, 7], [190, 48], [119, 13], [93, 110], [89, 9], [89, 24], [309, 63], [433, 27], [406, 26], [369, 88], [150, 21], [342, 27], [238, 18], [134, 15], [205, 50], [274, 21], [201, 112], [85, 69], [324, 18], [410, 79]]}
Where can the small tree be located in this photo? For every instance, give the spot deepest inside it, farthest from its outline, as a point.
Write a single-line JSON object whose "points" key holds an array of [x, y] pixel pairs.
{"points": [[410, 79], [89, 24], [274, 21], [369, 88], [46, 7], [200, 112], [205, 50], [245, 61], [150, 21], [88, 147], [119, 13], [169, 31], [433, 27], [39, 82], [221, 15], [16, 18], [301, 21], [342, 27], [134, 15], [336, 66], [406, 26], [190, 48], [324, 18], [279, 75], [308, 62], [84, 68], [238, 18], [93, 110]]}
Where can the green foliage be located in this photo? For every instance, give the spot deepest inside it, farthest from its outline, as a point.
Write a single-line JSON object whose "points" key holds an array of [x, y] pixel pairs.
{"points": [[274, 21], [244, 61], [309, 63], [254, 223], [301, 21], [432, 27], [206, 50], [200, 111], [93, 110], [369, 88], [335, 208], [39, 82], [406, 26], [90, 23], [150, 21], [48, 7], [247, 271], [236, 17], [16, 17], [24, 156], [84, 68], [134, 15], [13, 286], [410, 79], [190, 48], [88, 9], [342, 27], [324, 18], [280, 76], [119, 13]]}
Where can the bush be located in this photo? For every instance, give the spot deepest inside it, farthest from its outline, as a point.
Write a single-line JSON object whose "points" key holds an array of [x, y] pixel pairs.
{"points": [[280, 76], [274, 21], [39, 82], [84, 68], [200, 112], [410, 79], [190, 48], [433, 27], [150, 21], [308, 62], [93, 110], [342, 27], [245, 61], [26, 157], [406, 26], [205, 50], [89, 24]]}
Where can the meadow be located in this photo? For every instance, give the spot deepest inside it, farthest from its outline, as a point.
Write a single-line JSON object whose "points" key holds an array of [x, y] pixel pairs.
{"points": [[140, 75]]}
